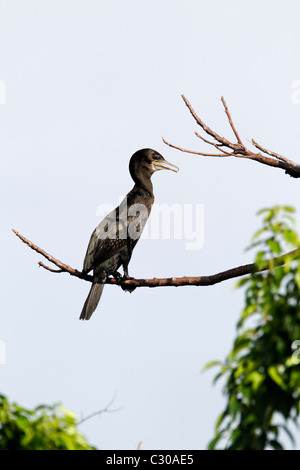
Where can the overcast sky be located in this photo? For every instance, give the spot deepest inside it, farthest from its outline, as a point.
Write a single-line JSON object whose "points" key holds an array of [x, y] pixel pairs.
{"points": [[84, 84]]}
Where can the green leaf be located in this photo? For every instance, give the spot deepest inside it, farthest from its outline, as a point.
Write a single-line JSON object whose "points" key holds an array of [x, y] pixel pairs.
{"points": [[212, 364], [212, 444], [258, 233], [274, 246], [291, 237], [276, 376], [256, 378], [217, 377], [242, 282], [249, 311], [234, 406], [275, 444], [221, 419], [288, 209], [297, 279]]}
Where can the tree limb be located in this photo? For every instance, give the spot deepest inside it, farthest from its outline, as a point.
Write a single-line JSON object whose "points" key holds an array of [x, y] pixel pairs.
{"points": [[106, 409], [238, 149], [131, 284]]}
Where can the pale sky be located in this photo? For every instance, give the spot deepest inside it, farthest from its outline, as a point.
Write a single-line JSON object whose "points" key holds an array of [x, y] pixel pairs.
{"points": [[87, 83]]}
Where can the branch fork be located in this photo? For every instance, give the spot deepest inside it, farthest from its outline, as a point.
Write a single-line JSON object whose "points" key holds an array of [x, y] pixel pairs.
{"points": [[237, 149]]}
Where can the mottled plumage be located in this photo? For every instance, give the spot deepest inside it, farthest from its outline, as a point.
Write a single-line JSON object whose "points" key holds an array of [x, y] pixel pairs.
{"points": [[113, 240]]}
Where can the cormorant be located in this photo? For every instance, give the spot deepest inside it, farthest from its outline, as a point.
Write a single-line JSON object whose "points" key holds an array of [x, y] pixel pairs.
{"points": [[112, 242]]}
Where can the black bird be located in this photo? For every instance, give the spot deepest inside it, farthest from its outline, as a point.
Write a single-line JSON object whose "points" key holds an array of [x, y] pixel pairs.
{"points": [[112, 242]]}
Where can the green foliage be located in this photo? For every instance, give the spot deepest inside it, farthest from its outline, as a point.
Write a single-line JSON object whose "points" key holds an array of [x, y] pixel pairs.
{"points": [[262, 372], [43, 428]]}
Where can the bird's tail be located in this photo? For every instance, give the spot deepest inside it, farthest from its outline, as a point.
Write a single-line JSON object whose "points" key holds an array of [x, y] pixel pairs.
{"points": [[91, 301]]}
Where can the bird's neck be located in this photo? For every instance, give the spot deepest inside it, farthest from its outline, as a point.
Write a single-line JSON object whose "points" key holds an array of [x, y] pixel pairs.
{"points": [[141, 194], [142, 178], [145, 185], [144, 190]]}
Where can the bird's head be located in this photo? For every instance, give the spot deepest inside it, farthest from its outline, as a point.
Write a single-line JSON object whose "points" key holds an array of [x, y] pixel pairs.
{"points": [[145, 162]]}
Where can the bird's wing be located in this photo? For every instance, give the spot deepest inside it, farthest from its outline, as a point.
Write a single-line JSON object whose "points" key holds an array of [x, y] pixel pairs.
{"points": [[100, 240], [119, 228]]}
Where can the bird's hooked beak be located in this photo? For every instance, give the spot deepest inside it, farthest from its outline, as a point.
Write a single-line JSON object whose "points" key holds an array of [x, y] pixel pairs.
{"points": [[163, 164]]}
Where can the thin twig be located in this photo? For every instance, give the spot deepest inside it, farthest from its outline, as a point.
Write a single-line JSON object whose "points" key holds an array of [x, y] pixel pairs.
{"points": [[197, 153], [217, 146], [207, 129], [273, 154], [62, 266], [50, 269], [106, 409], [230, 121]]}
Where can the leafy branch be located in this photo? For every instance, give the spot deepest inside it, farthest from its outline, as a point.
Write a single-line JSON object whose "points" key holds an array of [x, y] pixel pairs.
{"points": [[261, 372]]}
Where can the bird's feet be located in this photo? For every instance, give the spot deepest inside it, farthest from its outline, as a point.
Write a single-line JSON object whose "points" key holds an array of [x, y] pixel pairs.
{"points": [[126, 277], [126, 288], [116, 275], [120, 279]]}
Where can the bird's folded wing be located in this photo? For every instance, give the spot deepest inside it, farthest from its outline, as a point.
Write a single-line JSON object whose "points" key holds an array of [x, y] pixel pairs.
{"points": [[111, 235]]}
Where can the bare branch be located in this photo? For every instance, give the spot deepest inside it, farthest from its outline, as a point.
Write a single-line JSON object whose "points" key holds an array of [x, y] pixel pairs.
{"points": [[62, 267], [106, 409], [131, 284], [196, 153], [207, 129], [273, 154], [218, 146], [231, 122], [50, 269], [238, 149]]}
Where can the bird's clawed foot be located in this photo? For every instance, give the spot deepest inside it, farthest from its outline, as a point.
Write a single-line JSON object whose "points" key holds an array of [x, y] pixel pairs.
{"points": [[126, 277], [117, 276], [120, 280]]}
